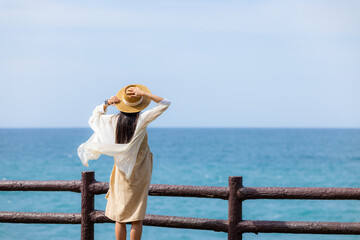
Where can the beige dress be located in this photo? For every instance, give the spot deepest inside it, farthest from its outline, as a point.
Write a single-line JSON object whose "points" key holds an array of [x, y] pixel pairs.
{"points": [[127, 199], [131, 173]]}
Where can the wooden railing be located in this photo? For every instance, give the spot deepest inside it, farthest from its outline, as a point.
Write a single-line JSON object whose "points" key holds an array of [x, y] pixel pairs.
{"points": [[235, 193]]}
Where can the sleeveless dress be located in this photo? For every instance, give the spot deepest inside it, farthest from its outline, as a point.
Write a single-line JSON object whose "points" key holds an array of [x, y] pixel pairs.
{"points": [[127, 199], [131, 174]]}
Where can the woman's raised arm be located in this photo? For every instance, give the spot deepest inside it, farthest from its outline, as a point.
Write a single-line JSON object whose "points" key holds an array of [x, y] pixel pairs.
{"points": [[135, 92], [149, 115]]}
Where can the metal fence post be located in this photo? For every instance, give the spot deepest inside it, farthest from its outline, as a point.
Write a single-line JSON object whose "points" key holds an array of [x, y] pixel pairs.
{"points": [[235, 208], [87, 206]]}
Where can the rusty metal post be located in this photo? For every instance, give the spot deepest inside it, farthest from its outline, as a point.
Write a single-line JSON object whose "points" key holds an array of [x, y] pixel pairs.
{"points": [[235, 208], [87, 206]]}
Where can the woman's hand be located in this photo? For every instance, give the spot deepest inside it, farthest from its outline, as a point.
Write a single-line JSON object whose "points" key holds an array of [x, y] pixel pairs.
{"points": [[134, 92], [113, 100]]}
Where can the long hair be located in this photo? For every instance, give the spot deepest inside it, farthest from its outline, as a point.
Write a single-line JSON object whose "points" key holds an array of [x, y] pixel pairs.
{"points": [[125, 127]]}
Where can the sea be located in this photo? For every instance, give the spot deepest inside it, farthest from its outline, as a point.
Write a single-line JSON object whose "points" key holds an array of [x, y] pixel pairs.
{"points": [[264, 157]]}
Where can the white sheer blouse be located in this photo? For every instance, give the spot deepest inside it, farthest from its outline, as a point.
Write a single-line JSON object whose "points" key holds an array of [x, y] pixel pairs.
{"points": [[103, 139]]}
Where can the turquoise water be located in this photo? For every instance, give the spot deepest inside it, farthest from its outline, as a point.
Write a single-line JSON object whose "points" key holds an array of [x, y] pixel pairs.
{"points": [[264, 157]]}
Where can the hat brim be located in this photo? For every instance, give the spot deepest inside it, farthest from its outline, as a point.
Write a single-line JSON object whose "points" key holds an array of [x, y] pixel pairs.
{"points": [[125, 108]]}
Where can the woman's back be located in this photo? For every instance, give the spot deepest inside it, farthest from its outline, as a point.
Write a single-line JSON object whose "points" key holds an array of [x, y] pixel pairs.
{"points": [[103, 139]]}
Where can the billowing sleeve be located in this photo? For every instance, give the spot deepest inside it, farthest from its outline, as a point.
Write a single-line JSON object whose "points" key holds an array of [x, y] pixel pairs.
{"points": [[150, 115], [103, 134], [98, 119]]}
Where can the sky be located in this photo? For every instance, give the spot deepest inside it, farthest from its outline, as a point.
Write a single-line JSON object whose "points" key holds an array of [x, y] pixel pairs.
{"points": [[224, 63]]}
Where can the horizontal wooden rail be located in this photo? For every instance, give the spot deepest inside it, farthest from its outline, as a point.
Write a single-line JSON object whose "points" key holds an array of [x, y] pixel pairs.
{"points": [[62, 185], [299, 193], [247, 226], [189, 191], [299, 227], [98, 216], [102, 187], [39, 217], [194, 191], [172, 190], [171, 221]]}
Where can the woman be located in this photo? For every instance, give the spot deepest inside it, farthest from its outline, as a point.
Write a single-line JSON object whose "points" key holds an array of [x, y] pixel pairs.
{"points": [[124, 136]]}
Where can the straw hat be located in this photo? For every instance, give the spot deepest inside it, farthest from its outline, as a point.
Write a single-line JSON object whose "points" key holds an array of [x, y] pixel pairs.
{"points": [[132, 104]]}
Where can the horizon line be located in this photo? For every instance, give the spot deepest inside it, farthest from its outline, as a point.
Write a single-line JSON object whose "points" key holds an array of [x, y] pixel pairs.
{"points": [[192, 127]]}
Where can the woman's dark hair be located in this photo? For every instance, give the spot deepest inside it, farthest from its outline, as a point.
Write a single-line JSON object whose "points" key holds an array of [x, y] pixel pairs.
{"points": [[125, 127]]}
